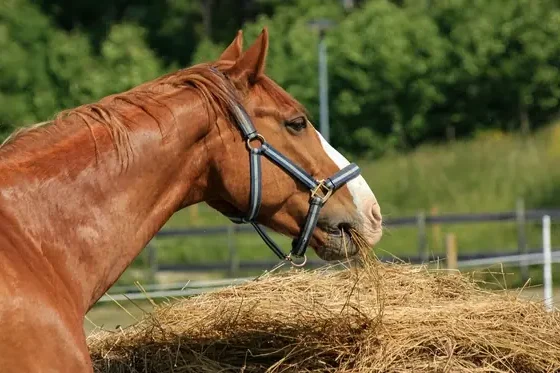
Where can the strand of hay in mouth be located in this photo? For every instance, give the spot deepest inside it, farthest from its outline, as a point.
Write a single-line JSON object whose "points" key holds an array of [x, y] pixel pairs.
{"points": [[372, 318], [358, 239]]}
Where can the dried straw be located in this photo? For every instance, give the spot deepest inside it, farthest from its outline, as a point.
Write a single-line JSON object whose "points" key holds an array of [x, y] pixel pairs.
{"points": [[371, 318]]}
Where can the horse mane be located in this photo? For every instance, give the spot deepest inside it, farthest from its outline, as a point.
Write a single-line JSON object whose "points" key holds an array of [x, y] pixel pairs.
{"points": [[113, 112]]}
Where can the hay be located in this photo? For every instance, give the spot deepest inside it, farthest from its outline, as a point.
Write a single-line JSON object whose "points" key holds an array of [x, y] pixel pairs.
{"points": [[376, 318]]}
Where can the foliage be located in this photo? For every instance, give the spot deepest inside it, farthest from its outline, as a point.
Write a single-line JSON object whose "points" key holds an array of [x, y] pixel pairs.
{"points": [[401, 72], [387, 76], [45, 69], [405, 72], [503, 63]]}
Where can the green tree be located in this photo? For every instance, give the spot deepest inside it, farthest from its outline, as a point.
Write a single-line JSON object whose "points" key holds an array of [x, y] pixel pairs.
{"points": [[401, 72], [173, 28], [44, 69], [386, 74], [504, 61]]}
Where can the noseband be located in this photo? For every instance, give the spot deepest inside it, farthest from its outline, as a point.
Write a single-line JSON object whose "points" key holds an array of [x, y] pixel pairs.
{"points": [[320, 190]]}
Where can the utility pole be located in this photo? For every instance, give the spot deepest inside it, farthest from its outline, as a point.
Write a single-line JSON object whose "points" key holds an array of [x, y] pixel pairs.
{"points": [[322, 25], [323, 88]]}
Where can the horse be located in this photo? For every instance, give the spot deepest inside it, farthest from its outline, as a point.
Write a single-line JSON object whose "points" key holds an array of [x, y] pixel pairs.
{"points": [[82, 194]]}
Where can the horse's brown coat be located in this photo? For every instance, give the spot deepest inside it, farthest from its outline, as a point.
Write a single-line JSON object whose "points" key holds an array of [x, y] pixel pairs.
{"points": [[82, 195]]}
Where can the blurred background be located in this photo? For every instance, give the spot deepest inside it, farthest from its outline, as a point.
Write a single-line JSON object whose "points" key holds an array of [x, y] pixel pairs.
{"points": [[449, 106]]}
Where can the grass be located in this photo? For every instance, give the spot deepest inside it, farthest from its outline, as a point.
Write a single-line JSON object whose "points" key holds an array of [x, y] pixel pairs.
{"points": [[486, 174], [111, 316]]}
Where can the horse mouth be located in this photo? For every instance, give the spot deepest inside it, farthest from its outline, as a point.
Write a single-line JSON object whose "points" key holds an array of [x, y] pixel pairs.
{"points": [[343, 241], [342, 231]]}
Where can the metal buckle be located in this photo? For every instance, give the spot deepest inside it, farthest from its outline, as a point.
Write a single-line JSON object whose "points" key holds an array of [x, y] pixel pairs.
{"points": [[291, 260], [322, 191], [258, 137]]}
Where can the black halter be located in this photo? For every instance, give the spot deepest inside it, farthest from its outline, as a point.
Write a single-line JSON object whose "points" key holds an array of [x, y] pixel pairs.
{"points": [[320, 190]]}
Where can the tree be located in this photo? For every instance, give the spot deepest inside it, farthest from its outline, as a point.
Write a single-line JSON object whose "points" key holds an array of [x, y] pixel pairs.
{"points": [[45, 69], [504, 62], [401, 72], [389, 63]]}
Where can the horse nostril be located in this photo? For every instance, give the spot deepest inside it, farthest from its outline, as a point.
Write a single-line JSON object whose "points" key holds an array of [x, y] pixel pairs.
{"points": [[375, 215], [344, 228]]}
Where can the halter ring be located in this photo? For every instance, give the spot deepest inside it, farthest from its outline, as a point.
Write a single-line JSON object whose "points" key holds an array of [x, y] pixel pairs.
{"points": [[321, 191], [291, 260], [259, 137]]}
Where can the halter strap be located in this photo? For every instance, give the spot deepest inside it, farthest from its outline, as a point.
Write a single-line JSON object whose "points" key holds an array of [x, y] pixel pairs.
{"points": [[320, 190], [288, 166], [244, 122]]}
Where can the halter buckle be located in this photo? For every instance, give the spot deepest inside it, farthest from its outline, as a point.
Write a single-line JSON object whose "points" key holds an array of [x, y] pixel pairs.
{"points": [[258, 137], [321, 191]]}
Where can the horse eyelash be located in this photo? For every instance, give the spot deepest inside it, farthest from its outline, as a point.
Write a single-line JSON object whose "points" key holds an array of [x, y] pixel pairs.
{"points": [[297, 123]]}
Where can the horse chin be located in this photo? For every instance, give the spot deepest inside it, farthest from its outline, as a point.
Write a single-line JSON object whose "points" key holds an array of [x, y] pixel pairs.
{"points": [[338, 246]]}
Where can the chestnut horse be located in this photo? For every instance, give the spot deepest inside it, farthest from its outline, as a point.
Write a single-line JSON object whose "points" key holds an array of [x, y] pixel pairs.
{"points": [[80, 196]]}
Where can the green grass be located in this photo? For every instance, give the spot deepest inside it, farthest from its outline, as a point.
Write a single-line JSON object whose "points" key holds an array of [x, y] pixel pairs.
{"points": [[484, 175], [487, 174]]}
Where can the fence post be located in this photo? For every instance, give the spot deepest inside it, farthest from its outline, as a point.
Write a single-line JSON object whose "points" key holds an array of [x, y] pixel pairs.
{"points": [[451, 251], [152, 261], [194, 214], [436, 231], [232, 249], [422, 247], [522, 237], [547, 271]]}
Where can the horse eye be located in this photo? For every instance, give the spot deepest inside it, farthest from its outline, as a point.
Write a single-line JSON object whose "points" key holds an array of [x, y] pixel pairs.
{"points": [[297, 124]]}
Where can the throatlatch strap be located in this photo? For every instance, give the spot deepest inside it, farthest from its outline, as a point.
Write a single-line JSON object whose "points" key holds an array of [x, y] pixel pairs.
{"points": [[268, 240], [300, 245], [292, 169]]}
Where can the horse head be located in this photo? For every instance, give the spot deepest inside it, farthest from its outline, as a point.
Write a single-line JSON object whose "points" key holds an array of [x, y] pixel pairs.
{"points": [[269, 165]]}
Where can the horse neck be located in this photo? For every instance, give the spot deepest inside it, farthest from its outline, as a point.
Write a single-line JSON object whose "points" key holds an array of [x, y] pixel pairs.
{"points": [[89, 217]]}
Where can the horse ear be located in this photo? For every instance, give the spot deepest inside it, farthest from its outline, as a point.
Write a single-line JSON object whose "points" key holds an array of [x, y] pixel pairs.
{"points": [[234, 50], [252, 63]]}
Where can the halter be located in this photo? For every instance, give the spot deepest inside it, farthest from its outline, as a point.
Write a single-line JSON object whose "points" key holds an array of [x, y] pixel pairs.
{"points": [[321, 190]]}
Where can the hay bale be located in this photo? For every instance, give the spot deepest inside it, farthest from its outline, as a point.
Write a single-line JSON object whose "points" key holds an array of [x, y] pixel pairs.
{"points": [[377, 318]]}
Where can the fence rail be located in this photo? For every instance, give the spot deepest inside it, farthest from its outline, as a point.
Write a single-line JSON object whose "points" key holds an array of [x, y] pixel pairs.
{"points": [[508, 216], [524, 257], [520, 216], [466, 259], [155, 291]]}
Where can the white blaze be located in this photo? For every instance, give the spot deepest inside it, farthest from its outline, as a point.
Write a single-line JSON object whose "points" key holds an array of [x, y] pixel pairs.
{"points": [[362, 195]]}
